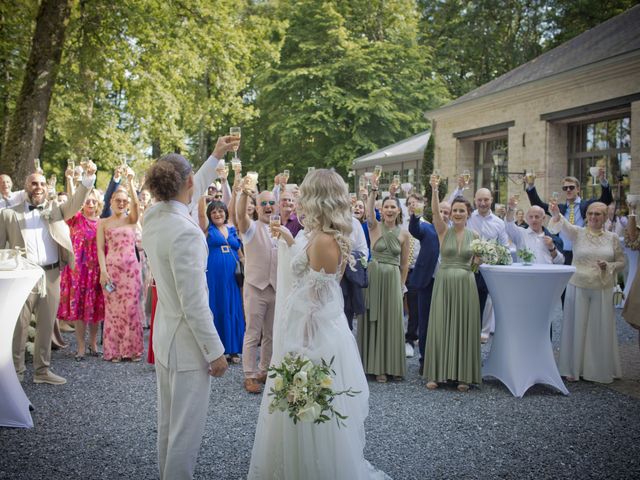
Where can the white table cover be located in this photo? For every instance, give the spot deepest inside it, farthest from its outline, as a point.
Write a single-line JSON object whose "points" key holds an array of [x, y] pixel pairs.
{"points": [[521, 352], [15, 286], [632, 258]]}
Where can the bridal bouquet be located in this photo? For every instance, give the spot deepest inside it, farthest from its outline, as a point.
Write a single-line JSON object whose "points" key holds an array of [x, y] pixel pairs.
{"points": [[303, 389], [490, 252]]}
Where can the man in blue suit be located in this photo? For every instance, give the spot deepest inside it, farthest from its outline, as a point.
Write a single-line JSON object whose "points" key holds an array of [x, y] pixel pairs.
{"points": [[422, 276]]}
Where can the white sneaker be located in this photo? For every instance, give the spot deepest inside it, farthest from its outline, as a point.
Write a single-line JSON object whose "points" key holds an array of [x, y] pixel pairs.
{"points": [[408, 350]]}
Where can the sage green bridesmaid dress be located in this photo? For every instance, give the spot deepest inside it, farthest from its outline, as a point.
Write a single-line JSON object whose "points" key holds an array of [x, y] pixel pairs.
{"points": [[381, 332], [453, 337]]}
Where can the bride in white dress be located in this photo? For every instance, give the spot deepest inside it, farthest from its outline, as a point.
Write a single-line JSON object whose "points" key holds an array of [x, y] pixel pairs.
{"points": [[310, 320]]}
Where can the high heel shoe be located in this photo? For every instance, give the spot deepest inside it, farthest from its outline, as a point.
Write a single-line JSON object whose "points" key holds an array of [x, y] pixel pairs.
{"points": [[94, 353]]}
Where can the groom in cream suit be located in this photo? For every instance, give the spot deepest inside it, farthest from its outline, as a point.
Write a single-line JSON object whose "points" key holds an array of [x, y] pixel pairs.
{"points": [[38, 225], [186, 345]]}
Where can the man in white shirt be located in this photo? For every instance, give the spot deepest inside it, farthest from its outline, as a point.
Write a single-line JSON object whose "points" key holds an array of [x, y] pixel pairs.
{"points": [[38, 226], [533, 238], [7, 197]]}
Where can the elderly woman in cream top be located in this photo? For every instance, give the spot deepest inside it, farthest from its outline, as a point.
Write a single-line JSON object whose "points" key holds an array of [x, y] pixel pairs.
{"points": [[589, 342]]}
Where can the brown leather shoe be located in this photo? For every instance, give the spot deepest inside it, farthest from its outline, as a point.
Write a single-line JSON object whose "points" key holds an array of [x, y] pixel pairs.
{"points": [[252, 385], [262, 378]]}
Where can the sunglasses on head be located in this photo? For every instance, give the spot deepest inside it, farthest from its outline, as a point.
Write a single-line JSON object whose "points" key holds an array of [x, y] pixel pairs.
{"points": [[567, 188], [264, 203]]}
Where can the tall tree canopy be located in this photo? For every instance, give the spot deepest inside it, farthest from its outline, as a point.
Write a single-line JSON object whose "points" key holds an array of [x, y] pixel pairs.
{"points": [[312, 82]]}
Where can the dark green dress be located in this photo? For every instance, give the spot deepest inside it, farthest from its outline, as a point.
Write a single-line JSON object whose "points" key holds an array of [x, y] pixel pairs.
{"points": [[381, 332], [453, 337]]}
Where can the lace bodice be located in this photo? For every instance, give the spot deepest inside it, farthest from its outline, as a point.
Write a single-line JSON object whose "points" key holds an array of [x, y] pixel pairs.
{"points": [[588, 249]]}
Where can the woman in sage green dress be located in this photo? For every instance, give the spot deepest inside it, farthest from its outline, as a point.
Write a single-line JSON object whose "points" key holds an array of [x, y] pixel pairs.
{"points": [[381, 331], [453, 337]]}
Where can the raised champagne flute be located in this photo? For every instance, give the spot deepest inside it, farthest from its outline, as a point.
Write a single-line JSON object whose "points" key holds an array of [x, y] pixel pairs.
{"points": [[594, 172], [633, 201], [236, 165], [274, 224], [235, 132], [555, 197], [285, 174], [377, 170], [436, 173], [516, 197], [36, 165], [252, 178], [51, 185], [530, 176], [362, 182], [396, 180], [466, 177]]}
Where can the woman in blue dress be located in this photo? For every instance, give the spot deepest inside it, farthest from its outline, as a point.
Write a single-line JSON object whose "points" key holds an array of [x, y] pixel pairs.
{"points": [[225, 299]]}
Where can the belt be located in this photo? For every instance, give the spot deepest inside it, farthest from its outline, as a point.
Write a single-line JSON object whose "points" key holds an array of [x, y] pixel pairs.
{"points": [[50, 267], [225, 248]]}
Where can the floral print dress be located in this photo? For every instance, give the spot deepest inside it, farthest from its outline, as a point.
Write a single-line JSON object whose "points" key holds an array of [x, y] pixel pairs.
{"points": [[122, 336]]}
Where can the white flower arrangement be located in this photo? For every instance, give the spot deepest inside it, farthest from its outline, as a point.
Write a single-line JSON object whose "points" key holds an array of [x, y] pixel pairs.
{"points": [[490, 252], [303, 389], [30, 348], [31, 331]]}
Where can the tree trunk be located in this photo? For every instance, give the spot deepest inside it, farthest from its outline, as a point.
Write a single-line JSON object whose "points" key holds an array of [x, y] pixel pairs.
{"points": [[26, 129]]}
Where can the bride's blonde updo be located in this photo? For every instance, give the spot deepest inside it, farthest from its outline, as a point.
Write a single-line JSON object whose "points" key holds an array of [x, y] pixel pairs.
{"points": [[326, 207]]}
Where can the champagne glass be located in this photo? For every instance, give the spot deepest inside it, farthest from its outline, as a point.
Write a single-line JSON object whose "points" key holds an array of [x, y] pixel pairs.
{"points": [[633, 201], [555, 196], [406, 188], [285, 174], [377, 170], [418, 209], [437, 175], [368, 176], [71, 164], [235, 132], [51, 186], [396, 180], [236, 165], [516, 197], [530, 176], [594, 172], [252, 178], [354, 198], [362, 182], [466, 177], [274, 224], [36, 165]]}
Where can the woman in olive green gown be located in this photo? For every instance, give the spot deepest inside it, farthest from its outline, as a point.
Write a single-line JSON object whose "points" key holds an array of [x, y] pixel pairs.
{"points": [[453, 337], [381, 332]]}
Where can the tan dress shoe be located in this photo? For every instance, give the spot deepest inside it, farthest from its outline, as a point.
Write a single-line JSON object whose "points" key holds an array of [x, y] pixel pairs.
{"points": [[252, 385], [262, 378], [50, 378]]}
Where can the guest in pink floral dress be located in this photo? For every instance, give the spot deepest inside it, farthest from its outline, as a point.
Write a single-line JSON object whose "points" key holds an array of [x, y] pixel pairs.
{"points": [[120, 277], [81, 298]]}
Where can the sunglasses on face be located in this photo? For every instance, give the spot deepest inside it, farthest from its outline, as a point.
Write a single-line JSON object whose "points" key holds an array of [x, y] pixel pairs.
{"points": [[216, 197], [568, 188], [264, 203]]}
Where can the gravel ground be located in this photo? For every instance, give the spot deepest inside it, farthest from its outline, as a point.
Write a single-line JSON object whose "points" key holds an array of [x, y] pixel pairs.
{"points": [[102, 424]]}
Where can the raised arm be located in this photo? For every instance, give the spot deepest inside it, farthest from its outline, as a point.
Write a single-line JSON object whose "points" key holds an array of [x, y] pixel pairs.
{"points": [[134, 208], [244, 221], [438, 222], [534, 199], [203, 223], [558, 223], [372, 221], [75, 203]]}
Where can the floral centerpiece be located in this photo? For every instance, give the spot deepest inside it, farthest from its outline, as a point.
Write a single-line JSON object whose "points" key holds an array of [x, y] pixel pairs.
{"points": [[526, 255], [490, 252], [304, 390]]}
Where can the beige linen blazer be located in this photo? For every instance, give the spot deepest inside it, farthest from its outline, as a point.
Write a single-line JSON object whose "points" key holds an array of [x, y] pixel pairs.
{"points": [[177, 252], [13, 225]]}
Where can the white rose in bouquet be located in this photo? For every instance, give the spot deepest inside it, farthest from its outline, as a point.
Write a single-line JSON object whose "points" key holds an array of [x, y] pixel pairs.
{"points": [[300, 378], [310, 412]]}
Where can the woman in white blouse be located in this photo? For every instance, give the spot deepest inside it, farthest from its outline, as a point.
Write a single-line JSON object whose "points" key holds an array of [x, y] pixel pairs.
{"points": [[589, 342]]}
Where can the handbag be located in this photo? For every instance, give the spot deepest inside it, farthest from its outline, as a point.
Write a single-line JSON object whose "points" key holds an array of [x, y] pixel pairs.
{"points": [[239, 273]]}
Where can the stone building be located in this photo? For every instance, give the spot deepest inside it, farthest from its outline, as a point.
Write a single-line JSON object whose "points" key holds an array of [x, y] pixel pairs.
{"points": [[572, 108]]}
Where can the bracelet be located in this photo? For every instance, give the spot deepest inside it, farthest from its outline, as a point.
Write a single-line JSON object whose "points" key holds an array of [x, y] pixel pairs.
{"points": [[374, 189]]}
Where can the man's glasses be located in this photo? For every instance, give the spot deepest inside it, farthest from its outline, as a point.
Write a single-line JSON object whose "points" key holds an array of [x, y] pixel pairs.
{"points": [[217, 197], [568, 188], [264, 203]]}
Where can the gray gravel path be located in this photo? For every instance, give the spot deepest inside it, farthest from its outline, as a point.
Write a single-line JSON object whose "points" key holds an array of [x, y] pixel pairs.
{"points": [[101, 425]]}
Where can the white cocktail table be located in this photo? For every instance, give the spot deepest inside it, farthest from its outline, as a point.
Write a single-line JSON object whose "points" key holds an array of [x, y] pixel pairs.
{"points": [[521, 352], [15, 286]]}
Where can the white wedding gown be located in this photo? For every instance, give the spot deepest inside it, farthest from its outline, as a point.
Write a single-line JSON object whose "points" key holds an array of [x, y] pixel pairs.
{"points": [[310, 320]]}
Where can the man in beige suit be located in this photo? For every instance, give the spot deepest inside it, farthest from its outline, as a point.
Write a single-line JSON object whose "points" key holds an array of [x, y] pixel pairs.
{"points": [[186, 345], [261, 268], [38, 226]]}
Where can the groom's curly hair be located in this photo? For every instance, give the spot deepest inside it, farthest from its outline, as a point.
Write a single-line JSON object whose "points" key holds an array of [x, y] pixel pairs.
{"points": [[166, 177]]}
